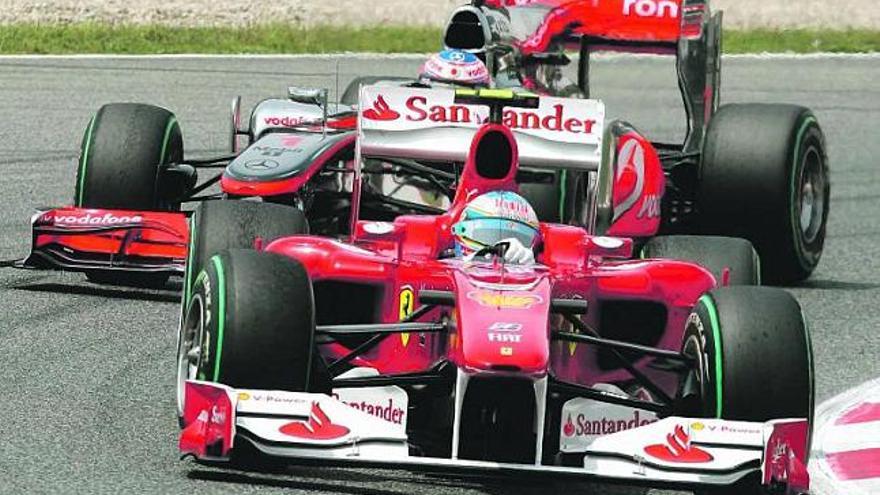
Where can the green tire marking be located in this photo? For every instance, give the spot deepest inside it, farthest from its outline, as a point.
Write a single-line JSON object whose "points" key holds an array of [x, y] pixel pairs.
{"points": [[221, 313], [795, 221], [707, 301], [171, 123], [83, 163], [562, 190], [202, 276]]}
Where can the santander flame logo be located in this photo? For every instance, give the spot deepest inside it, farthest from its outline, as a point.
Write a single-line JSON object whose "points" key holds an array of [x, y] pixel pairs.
{"points": [[381, 110], [318, 427], [569, 429], [678, 449]]}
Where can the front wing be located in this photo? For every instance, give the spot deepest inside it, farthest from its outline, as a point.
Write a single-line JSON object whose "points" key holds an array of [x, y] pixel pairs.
{"points": [[81, 239], [671, 453]]}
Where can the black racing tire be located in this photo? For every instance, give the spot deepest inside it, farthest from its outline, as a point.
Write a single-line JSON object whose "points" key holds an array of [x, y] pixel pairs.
{"points": [[754, 360], [251, 319], [715, 254], [561, 201], [352, 91], [124, 149], [544, 198], [764, 177], [220, 225]]}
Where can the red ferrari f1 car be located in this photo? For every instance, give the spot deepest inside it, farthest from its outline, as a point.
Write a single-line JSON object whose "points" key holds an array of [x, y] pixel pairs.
{"points": [[385, 350]]}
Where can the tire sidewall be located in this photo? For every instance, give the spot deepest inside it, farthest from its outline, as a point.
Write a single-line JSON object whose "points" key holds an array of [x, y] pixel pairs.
{"points": [[700, 342], [807, 139]]}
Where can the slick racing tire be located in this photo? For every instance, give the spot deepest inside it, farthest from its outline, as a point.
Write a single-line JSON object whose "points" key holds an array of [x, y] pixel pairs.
{"points": [[764, 177], [352, 91], [715, 254], [754, 360], [220, 225], [250, 323], [125, 149]]}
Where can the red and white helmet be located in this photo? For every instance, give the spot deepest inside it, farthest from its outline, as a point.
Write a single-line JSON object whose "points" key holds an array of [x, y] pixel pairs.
{"points": [[455, 67]]}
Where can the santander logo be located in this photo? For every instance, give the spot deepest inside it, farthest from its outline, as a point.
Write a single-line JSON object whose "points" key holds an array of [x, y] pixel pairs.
{"points": [[678, 449], [419, 109], [381, 111], [318, 427]]}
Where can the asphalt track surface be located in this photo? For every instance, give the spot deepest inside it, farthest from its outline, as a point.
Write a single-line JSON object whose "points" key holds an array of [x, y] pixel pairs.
{"points": [[87, 372]]}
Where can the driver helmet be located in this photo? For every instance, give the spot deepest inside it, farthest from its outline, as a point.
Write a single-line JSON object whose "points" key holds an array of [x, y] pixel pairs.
{"points": [[454, 67], [493, 217]]}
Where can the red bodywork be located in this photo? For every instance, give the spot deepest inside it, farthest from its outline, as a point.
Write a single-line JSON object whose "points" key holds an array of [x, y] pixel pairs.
{"points": [[502, 315]]}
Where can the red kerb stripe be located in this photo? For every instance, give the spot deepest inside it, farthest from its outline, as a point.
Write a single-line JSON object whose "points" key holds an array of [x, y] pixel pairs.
{"points": [[863, 413], [855, 465]]}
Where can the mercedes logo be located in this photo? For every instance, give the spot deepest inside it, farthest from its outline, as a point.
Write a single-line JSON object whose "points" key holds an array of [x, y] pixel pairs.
{"points": [[261, 164]]}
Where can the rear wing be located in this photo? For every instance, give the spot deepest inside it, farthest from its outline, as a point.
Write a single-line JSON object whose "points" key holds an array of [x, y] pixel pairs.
{"points": [[427, 124], [537, 30]]}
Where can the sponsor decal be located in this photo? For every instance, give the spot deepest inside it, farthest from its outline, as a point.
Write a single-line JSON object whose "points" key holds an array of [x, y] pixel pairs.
{"points": [[651, 8], [406, 305], [379, 228], [678, 449], [317, 427], [630, 174], [505, 333], [218, 416], [503, 300], [389, 411], [263, 164], [268, 398], [90, 219], [650, 207], [381, 111], [505, 327], [585, 420], [418, 110], [284, 121], [274, 152], [291, 141], [584, 425]]}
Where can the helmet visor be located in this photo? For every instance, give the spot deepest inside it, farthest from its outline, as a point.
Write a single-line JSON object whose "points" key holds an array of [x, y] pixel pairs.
{"points": [[479, 233]]}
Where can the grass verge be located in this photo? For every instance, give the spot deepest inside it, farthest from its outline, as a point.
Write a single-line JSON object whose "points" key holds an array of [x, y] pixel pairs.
{"points": [[283, 38]]}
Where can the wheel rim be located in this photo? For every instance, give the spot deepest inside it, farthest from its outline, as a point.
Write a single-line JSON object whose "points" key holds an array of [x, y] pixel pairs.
{"points": [[811, 200], [190, 348]]}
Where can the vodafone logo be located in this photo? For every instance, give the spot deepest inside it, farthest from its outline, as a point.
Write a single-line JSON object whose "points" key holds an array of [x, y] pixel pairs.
{"points": [[651, 8], [318, 427], [381, 111], [284, 121], [89, 219], [678, 449]]}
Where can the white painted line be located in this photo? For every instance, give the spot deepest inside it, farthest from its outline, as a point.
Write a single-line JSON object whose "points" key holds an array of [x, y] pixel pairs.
{"points": [[414, 56]]}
